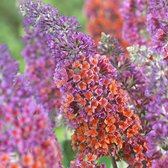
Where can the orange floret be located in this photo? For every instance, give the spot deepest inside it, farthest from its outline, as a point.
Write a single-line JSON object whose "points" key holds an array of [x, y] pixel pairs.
{"points": [[85, 65]]}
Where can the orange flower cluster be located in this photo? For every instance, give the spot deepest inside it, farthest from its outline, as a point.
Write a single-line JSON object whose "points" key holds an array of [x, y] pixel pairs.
{"points": [[134, 152], [104, 16], [96, 106], [83, 162]]}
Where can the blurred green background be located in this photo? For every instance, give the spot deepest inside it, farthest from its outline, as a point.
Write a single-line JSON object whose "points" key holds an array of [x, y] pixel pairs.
{"points": [[11, 22], [11, 32]]}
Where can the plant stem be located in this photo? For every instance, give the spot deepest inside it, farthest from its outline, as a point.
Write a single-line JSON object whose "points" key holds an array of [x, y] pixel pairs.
{"points": [[113, 161]]}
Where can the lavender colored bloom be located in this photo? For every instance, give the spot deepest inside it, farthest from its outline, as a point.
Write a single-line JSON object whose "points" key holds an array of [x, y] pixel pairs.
{"points": [[26, 134], [8, 70], [64, 39], [62, 45], [39, 71], [157, 108], [8, 66], [70, 46], [162, 162], [134, 27], [46, 18], [157, 25], [145, 22], [156, 71]]}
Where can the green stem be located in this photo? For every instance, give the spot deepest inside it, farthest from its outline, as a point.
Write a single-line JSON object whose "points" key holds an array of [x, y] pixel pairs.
{"points": [[113, 161]]}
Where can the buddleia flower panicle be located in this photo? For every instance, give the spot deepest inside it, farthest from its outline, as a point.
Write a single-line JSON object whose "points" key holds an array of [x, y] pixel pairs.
{"points": [[63, 43], [157, 25], [131, 75], [8, 66], [93, 102], [46, 17], [40, 66], [96, 106], [157, 109], [145, 22], [102, 13], [26, 136], [64, 39], [115, 102], [134, 21], [155, 69], [161, 162]]}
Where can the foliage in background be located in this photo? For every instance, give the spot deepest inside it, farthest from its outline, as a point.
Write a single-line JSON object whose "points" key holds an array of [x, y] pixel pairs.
{"points": [[11, 23]]}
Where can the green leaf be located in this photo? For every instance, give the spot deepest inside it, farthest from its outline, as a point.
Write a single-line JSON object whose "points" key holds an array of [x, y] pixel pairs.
{"points": [[68, 153], [105, 160]]}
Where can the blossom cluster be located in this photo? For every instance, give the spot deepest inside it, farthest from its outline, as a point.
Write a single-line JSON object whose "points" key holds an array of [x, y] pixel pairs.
{"points": [[115, 102], [96, 106], [104, 16], [132, 77], [26, 134], [134, 21], [157, 25], [39, 71], [145, 22], [156, 70], [143, 72], [93, 101]]}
